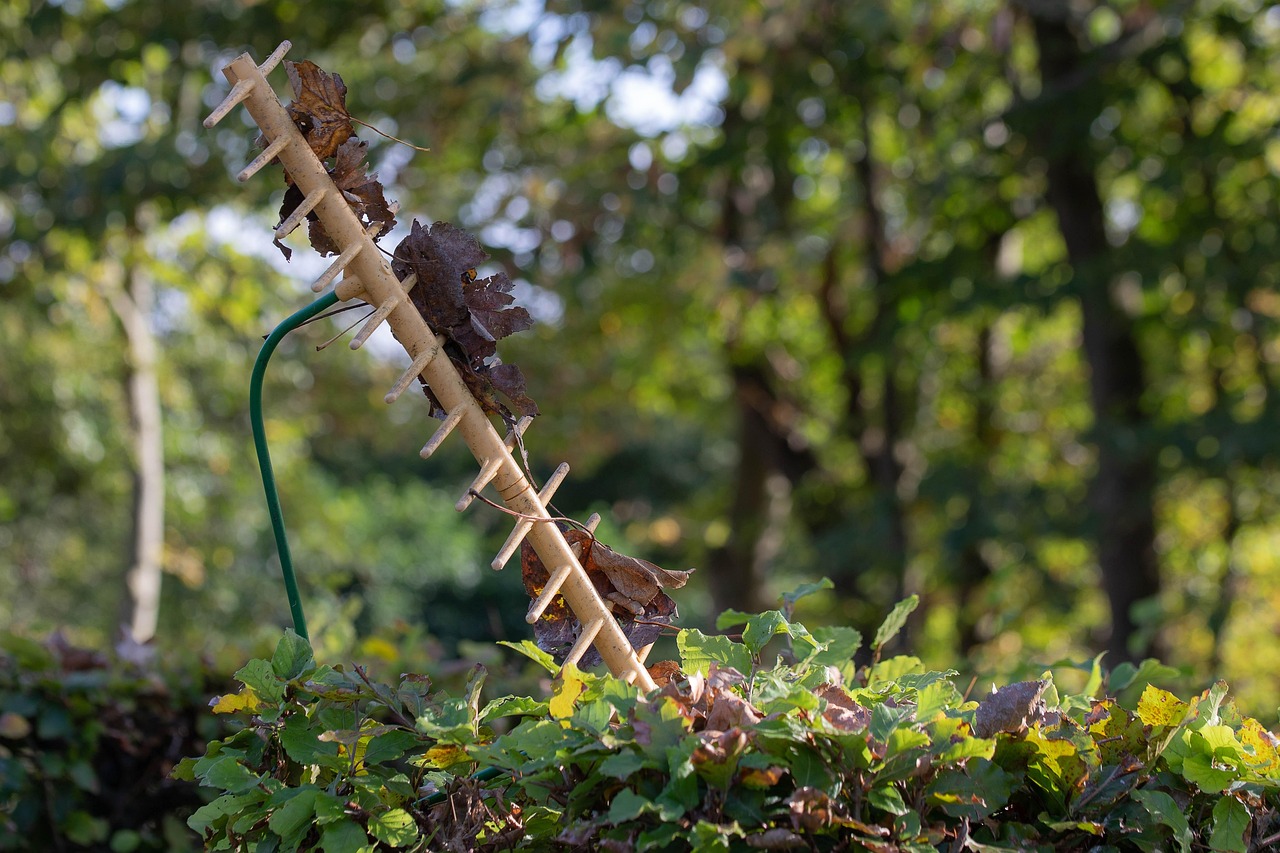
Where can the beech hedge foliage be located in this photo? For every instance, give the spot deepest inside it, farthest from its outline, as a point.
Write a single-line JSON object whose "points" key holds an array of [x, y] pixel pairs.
{"points": [[771, 737], [806, 752]]}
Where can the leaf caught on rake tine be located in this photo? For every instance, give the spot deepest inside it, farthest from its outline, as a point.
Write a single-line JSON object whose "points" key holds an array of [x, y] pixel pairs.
{"points": [[319, 108], [634, 587], [473, 314], [362, 192]]}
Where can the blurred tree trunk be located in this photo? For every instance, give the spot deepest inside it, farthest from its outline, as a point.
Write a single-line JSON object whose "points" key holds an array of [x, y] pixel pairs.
{"points": [[738, 570], [133, 305], [875, 432], [973, 570], [771, 456], [1122, 491]]}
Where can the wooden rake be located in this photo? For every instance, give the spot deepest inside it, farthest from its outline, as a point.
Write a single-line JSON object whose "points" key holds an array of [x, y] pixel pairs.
{"points": [[366, 275]]}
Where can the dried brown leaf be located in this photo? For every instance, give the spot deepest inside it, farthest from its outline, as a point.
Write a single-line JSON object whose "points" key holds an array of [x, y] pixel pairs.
{"points": [[1010, 709], [319, 108], [472, 314], [665, 671], [362, 192], [842, 712], [729, 711], [641, 620], [509, 381]]}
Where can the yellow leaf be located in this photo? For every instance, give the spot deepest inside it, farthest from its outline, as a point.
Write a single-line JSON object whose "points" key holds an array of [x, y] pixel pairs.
{"points": [[246, 700], [1265, 756], [760, 779], [567, 693], [444, 756], [1160, 707]]}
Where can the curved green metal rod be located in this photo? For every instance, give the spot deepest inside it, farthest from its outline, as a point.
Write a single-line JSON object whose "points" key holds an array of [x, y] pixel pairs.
{"points": [[290, 323]]}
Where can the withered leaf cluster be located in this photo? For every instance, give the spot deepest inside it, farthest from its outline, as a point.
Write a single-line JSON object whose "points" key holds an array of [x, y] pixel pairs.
{"points": [[319, 111], [473, 314], [633, 587], [724, 723]]}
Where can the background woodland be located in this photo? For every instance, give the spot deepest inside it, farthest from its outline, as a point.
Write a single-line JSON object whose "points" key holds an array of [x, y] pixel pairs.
{"points": [[974, 300]]}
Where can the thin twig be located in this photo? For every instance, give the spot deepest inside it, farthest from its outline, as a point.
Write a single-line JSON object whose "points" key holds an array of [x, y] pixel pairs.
{"points": [[326, 314], [527, 517], [637, 620], [1087, 796], [347, 329], [389, 136]]}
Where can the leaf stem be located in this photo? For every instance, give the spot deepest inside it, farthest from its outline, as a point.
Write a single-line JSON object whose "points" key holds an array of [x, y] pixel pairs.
{"points": [[389, 136], [526, 517]]}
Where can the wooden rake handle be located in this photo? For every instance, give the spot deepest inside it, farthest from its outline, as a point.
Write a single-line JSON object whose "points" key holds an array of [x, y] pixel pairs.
{"points": [[367, 275]]}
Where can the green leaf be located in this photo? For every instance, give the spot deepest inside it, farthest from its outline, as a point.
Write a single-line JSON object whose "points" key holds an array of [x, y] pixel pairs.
{"points": [[344, 836], [628, 805], [887, 799], [293, 656], [935, 698], [259, 676], [698, 651], [1121, 677], [533, 653], [1094, 684], [229, 775], [893, 669], [184, 770], [27, 653], [512, 706], [976, 792], [209, 814], [842, 643], [729, 618], [593, 716], [763, 628], [1088, 826], [389, 746], [967, 747], [329, 808], [292, 820], [395, 828], [894, 622], [1166, 811], [1230, 822], [807, 767], [622, 765], [661, 838], [301, 742], [713, 838], [84, 829], [789, 599], [1149, 671], [884, 719], [1198, 767], [125, 841]]}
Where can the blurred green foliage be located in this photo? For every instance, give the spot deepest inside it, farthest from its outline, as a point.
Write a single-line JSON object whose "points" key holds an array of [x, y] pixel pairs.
{"points": [[87, 742], [814, 312]]}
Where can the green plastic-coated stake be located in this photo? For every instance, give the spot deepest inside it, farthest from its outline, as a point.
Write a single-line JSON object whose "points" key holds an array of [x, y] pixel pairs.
{"points": [[290, 323]]}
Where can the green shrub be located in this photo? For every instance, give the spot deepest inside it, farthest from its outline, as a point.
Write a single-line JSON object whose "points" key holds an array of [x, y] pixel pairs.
{"points": [[729, 753], [86, 746]]}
